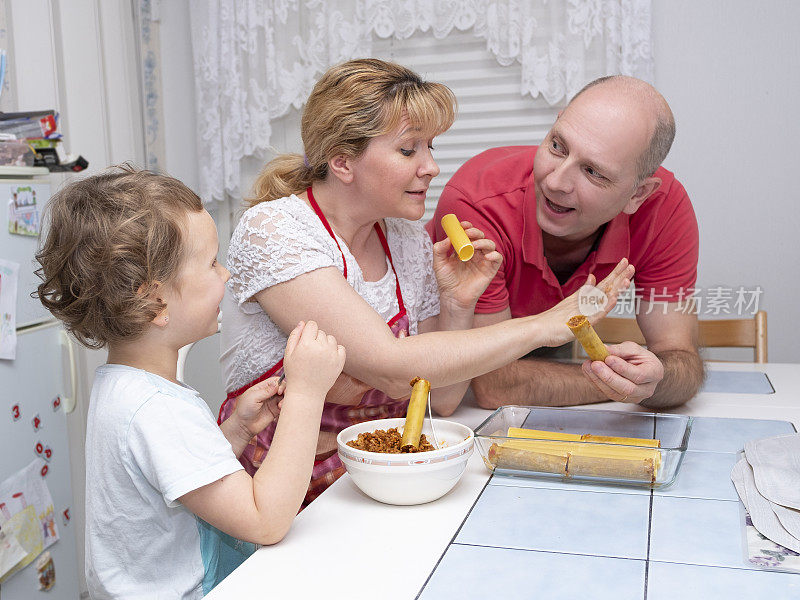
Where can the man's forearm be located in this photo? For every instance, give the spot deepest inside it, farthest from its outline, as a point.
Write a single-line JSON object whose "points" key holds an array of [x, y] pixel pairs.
{"points": [[535, 382], [684, 373]]}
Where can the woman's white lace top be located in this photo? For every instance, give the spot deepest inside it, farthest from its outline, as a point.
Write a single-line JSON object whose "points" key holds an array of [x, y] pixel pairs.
{"points": [[279, 240]]}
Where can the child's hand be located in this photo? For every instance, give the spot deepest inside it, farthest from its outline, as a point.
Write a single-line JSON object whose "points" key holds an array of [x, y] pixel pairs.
{"points": [[554, 321], [259, 406], [312, 361]]}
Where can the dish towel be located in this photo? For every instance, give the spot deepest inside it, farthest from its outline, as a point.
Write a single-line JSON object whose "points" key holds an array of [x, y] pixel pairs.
{"points": [[767, 480]]}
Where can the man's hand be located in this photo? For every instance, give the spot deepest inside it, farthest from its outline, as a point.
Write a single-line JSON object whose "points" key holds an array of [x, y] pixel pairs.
{"points": [[629, 374]]}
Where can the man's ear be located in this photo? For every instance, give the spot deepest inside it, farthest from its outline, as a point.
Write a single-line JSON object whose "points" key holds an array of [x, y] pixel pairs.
{"points": [[642, 193], [341, 166]]}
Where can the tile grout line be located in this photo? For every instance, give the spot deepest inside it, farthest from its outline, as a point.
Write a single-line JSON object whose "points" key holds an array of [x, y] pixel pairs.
{"points": [[649, 522], [729, 567], [450, 543], [614, 557], [540, 551], [618, 492]]}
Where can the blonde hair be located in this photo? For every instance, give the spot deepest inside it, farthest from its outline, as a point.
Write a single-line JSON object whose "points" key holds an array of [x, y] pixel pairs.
{"points": [[352, 103], [110, 238]]}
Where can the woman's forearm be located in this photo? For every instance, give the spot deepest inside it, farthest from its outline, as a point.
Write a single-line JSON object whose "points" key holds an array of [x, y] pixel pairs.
{"points": [[447, 357], [445, 400]]}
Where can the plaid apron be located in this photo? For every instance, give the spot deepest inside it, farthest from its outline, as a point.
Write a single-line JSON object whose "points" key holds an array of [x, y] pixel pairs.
{"points": [[374, 404]]}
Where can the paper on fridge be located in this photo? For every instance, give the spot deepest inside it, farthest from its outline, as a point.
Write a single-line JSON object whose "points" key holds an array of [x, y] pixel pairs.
{"points": [[9, 276], [776, 467], [761, 513], [11, 552], [23, 211], [27, 513]]}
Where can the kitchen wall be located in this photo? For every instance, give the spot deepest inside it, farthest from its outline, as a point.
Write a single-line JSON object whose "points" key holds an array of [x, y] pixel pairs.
{"points": [[730, 70]]}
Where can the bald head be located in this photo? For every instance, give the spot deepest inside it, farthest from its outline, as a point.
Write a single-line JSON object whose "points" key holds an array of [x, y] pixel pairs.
{"points": [[633, 94]]}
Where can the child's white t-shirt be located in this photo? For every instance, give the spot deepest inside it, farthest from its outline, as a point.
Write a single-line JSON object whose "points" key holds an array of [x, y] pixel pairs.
{"points": [[148, 442]]}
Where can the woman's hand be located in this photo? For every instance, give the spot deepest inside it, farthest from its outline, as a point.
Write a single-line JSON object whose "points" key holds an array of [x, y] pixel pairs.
{"points": [[462, 283], [347, 391], [258, 407], [553, 322]]}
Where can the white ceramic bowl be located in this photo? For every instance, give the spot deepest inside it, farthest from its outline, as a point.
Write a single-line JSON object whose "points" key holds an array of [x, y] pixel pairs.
{"points": [[413, 478]]}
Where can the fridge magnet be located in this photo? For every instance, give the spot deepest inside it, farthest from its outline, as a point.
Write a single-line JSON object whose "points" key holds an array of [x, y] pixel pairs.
{"points": [[15, 412], [36, 421], [39, 449], [47, 571], [23, 213], [9, 274], [56, 403], [48, 454], [44, 470], [65, 516], [11, 552]]}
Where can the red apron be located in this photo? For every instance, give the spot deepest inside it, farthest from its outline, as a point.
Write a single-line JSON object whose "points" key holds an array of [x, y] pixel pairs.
{"points": [[374, 404]]}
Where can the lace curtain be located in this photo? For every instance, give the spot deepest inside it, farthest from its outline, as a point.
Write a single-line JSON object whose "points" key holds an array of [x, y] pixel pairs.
{"points": [[254, 59]]}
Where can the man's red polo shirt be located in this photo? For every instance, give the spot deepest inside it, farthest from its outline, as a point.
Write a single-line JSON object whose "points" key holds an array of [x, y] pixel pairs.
{"points": [[495, 191]]}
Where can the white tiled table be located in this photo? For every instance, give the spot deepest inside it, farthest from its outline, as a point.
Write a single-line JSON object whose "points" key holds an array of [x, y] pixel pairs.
{"points": [[547, 539]]}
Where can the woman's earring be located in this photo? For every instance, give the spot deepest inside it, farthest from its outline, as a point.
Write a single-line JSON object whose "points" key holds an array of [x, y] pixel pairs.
{"points": [[166, 319]]}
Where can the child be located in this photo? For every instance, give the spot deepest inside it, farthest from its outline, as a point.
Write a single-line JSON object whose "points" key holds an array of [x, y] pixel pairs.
{"points": [[129, 262]]}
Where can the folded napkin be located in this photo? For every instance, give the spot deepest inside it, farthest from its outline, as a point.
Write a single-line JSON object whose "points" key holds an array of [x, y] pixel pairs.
{"points": [[764, 518], [789, 518], [776, 466]]}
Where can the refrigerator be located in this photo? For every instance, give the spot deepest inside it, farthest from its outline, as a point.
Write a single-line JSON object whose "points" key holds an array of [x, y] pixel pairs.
{"points": [[38, 391]]}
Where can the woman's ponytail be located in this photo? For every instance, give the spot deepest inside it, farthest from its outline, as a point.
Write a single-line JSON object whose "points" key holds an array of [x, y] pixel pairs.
{"points": [[284, 175]]}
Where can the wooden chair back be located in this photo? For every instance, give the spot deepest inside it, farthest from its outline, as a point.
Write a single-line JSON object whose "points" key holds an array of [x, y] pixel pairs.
{"points": [[716, 333]]}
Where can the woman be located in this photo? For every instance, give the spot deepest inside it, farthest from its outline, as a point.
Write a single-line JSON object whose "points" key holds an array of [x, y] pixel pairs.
{"points": [[334, 236]]}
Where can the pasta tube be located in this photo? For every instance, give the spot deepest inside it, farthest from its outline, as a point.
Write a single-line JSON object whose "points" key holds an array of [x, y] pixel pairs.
{"points": [[416, 412], [622, 441], [458, 237], [537, 434], [575, 458], [586, 335]]}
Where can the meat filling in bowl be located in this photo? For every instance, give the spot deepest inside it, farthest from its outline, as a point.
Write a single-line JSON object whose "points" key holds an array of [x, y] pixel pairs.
{"points": [[387, 442]]}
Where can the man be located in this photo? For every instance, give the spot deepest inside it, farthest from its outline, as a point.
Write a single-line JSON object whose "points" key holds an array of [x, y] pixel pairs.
{"points": [[591, 194]]}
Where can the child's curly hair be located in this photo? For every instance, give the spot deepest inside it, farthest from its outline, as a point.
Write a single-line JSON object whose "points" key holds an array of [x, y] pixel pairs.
{"points": [[110, 239]]}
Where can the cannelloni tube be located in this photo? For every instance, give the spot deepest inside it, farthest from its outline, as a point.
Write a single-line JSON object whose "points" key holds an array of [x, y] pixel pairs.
{"points": [[586, 335], [416, 412], [522, 459], [458, 237]]}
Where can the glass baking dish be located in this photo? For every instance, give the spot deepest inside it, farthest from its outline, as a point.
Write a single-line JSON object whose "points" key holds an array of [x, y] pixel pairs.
{"points": [[587, 454]]}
